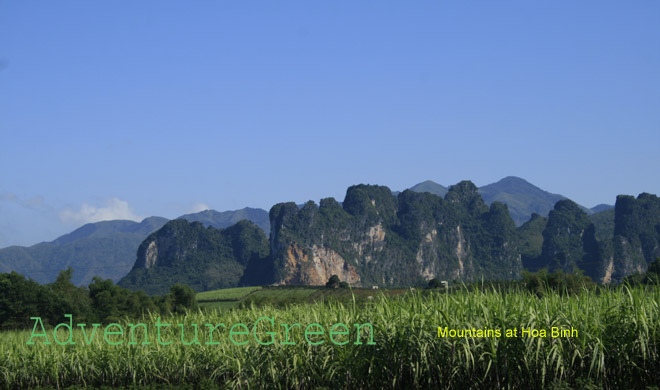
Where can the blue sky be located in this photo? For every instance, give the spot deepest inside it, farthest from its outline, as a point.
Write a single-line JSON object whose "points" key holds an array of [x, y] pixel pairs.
{"points": [[123, 109]]}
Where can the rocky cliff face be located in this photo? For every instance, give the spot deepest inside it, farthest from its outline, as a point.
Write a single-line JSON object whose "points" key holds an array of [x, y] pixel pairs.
{"points": [[531, 242], [315, 266], [636, 240], [569, 239], [377, 238]]}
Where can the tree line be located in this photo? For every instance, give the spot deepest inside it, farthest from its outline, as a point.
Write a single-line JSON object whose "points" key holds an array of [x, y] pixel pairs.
{"points": [[102, 301]]}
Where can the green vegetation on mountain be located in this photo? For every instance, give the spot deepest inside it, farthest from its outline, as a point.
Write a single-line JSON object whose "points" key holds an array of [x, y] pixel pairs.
{"points": [[606, 246], [569, 240], [604, 224], [636, 240], [638, 221], [531, 242], [204, 258]]}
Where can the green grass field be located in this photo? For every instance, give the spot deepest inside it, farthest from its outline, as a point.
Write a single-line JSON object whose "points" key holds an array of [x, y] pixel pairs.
{"points": [[281, 296], [617, 346], [228, 294]]}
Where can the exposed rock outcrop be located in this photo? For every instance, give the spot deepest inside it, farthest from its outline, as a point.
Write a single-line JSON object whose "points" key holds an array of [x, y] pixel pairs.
{"points": [[315, 267], [375, 237]]}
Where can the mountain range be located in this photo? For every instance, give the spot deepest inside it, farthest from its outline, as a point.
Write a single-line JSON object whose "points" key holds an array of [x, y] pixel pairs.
{"points": [[225, 219], [108, 248], [522, 198], [374, 237]]}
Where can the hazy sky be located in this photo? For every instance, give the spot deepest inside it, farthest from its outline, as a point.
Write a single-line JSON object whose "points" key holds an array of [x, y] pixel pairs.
{"points": [[126, 109]]}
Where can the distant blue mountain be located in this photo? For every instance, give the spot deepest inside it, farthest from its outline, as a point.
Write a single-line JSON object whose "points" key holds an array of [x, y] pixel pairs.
{"points": [[602, 207], [106, 249], [225, 219], [522, 198]]}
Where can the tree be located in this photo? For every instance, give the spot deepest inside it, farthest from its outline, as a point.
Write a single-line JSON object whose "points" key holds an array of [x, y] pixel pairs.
{"points": [[183, 298], [654, 267], [333, 281], [21, 298], [434, 283], [653, 272], [69, 298], [564, 283]]}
